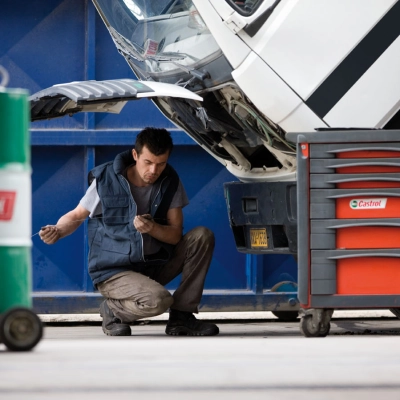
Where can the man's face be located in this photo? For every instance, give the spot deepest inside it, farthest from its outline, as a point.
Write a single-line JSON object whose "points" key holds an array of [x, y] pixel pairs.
{"points": [[148, 166]]}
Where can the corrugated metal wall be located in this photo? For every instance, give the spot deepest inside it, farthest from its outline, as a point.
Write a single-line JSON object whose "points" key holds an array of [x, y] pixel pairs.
{"points": [[48, 42]]}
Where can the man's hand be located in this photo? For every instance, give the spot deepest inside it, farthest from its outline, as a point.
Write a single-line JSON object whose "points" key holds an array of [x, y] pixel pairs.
{"points": [[66, 225], [143, 223], [170, 233], [50, 234]]}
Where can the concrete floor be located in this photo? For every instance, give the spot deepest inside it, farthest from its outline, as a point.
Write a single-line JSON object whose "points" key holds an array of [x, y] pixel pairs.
{"points": [[252, 358]]}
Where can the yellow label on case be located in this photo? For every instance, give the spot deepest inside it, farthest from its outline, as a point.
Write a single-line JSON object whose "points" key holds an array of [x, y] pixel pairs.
{"points": [[258, 238]]}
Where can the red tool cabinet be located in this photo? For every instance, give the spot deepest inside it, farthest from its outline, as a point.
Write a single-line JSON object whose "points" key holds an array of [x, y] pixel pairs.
{"points": [[348, 200]]}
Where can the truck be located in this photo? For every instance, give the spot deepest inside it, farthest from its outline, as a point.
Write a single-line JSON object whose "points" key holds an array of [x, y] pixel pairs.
{"points": [[239, 77]]}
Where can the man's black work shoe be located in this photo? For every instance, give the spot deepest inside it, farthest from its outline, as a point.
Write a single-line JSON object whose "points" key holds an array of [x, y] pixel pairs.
{"points": [[182, 323], [112, 325]]}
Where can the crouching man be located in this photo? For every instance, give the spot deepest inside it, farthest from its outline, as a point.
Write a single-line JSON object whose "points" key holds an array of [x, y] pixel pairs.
{"points": [[134, 205]]}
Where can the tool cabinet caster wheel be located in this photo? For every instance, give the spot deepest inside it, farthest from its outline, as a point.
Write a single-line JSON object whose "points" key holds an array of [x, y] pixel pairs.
{"points": [[324, 331], [309, 327], [20, 329]]}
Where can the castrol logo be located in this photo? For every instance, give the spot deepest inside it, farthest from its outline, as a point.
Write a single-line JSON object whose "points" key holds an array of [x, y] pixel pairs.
{"points": [[364, 204], [7, 200]]}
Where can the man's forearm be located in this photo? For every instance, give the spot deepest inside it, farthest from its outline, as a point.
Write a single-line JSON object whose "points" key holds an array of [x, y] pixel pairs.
{"points": [[166, 233], [67, 224]]}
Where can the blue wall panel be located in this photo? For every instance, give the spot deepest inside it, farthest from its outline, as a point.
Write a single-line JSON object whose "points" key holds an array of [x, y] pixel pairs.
{"points": [[42, 44], [57, 186], [48, 42]]}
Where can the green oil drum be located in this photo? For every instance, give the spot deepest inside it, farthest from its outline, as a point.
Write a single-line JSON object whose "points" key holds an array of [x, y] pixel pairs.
{"points": [[15, 201]]}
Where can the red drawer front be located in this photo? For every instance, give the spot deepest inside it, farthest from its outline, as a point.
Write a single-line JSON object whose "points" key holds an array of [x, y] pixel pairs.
{"points": [[368, 237], [368, 168], [368, 154], [368, 275], [371, 207], [367, 184]]}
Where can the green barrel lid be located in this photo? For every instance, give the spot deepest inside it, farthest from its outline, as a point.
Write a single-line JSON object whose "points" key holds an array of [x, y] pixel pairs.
{"points": [[14, 128]]}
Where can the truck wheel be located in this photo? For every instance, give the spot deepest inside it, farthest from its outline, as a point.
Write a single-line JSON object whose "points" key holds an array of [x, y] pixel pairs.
{"points": [[20, 329], [286, 316]]}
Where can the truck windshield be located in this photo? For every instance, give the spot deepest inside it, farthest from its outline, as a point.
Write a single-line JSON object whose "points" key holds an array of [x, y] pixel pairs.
{"points": [[158, 36]]}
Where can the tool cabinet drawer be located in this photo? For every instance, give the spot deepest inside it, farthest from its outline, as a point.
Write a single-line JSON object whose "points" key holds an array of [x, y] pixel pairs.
{"points": [[354, 203], [355, 233]]}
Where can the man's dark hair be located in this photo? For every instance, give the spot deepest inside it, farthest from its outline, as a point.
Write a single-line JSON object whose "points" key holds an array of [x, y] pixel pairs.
{"points": [[157, 140]]}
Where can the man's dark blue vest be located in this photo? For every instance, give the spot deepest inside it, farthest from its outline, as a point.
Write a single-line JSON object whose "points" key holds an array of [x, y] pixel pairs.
{"points": [[115, 244]]}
